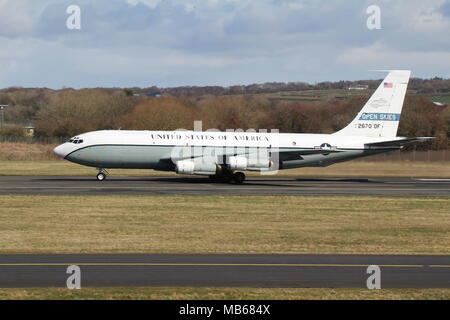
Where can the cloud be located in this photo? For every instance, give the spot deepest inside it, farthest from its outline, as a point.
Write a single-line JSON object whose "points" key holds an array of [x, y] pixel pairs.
{"points": [[150, 3], [445, 8], [199, 42], [16, 17], [381, 57]]}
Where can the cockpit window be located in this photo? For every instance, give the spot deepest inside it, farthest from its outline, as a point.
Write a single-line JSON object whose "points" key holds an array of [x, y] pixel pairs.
{"points": [[76, 140]]}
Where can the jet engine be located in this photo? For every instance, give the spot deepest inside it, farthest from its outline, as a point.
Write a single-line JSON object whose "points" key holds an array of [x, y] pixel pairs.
{"points": [[196, 166], [252, 163], [237, 163]]}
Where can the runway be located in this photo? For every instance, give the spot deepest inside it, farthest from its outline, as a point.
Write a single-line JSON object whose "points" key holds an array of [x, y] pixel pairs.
{"points": [[267, 271], [254, 186]]}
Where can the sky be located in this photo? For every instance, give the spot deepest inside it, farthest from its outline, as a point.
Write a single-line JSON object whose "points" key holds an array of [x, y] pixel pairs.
{"points": [[168, 43]]}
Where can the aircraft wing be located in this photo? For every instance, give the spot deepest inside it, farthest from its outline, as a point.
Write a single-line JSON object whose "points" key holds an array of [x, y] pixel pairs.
{"points": [[397, 144], [283, 154], [297, 154]]}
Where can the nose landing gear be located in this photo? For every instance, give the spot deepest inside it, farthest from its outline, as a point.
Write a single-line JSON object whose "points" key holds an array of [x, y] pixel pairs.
{"points": [[101, 176]]}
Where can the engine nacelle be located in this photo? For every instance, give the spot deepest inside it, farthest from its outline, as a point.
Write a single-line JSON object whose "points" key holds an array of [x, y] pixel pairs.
{"points": [[195, 166], [252, 163], [237, 163]]}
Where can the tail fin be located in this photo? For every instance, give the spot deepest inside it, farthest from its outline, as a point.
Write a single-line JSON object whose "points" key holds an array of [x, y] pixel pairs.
{"points": [[380, 116]]}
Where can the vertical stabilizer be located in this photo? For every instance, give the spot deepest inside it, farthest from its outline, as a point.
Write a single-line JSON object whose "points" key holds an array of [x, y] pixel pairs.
{"points": [[380, 116]]}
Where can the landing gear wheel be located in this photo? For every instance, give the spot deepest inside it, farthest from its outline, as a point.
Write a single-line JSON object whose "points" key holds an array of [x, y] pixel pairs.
{"points": [[239, 177], [101, 176]]}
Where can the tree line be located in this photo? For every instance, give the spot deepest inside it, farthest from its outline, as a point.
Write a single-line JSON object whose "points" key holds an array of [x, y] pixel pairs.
{"points": [[65, 113], [434, 85]]}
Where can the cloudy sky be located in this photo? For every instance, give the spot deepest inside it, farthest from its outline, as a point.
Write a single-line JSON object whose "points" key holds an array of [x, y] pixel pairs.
{"points": [[128, 43]]}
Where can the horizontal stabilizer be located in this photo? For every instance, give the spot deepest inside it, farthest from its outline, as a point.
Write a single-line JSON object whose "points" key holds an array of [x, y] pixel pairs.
{"points": [[397, 144]]}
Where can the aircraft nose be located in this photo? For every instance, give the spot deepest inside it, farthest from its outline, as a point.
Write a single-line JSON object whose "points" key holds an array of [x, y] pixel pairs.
{"points": [[61, 150]]}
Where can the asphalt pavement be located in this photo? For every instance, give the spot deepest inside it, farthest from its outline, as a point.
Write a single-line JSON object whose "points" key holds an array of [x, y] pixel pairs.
{"points": [[263, 186], [264, 271]]}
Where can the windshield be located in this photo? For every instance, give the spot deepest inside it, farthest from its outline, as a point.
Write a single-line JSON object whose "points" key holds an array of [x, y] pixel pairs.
{"points": [[76, 140]]}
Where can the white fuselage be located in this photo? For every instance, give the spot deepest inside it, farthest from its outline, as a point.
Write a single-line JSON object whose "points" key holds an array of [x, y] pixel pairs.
{"points": [[213, 153], [161, 149]]}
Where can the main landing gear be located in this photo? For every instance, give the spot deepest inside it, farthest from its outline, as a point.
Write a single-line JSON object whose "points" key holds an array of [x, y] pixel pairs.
{"points": [[239, 177], [227, 177], [101, 176]]}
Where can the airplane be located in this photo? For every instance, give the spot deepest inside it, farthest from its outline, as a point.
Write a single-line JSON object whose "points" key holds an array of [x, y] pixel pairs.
{"points": [[223, 156]]}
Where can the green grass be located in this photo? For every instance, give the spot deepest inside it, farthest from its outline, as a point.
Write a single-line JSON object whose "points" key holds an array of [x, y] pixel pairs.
{"points": [[317, 95], [436, 97], [341, 94], [220, 224]]}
